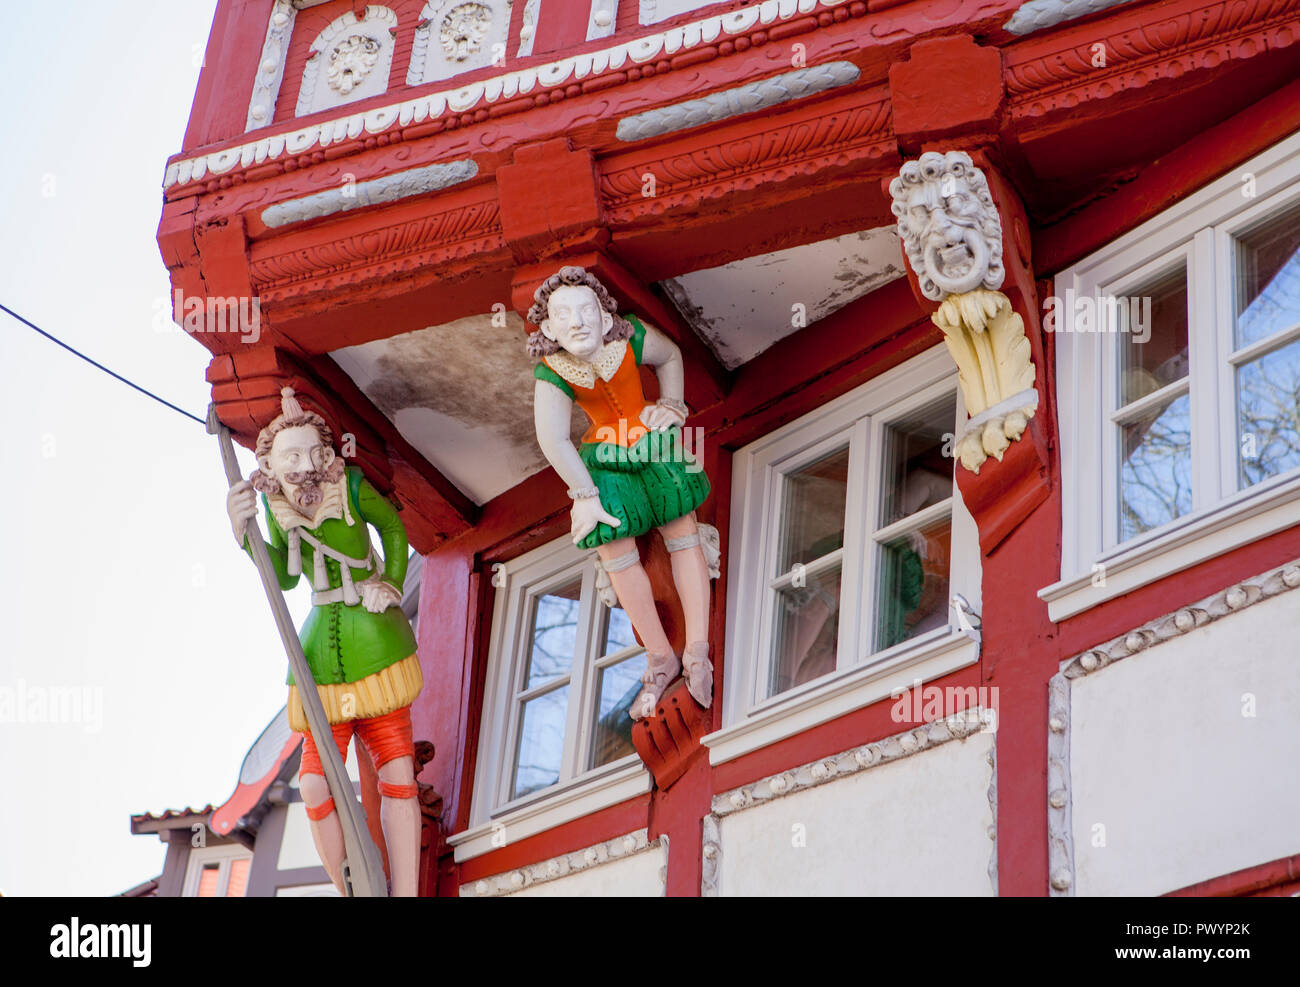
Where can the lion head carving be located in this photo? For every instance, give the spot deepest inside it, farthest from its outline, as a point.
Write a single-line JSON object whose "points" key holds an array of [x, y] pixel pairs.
{"points": [[949, 224]]}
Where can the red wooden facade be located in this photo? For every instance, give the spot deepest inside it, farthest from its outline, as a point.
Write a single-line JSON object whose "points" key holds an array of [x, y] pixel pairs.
{"points": [[1078, 150]]}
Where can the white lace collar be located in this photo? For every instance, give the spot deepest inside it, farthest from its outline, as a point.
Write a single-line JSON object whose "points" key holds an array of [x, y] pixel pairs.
{"points": [[582, 372], [334, 504]]}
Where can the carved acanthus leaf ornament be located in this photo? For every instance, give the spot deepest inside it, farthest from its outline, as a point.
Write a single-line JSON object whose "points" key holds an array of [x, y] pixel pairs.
{"points": [[952, 237], [987, 341]]}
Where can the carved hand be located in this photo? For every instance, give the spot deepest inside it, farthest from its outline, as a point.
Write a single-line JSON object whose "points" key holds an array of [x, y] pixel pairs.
{"points": [[378, 596], [585, 515], [241, 505], [659, 418]]}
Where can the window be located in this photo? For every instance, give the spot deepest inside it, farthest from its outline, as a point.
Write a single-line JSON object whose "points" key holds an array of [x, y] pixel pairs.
{"points": [[217, 872], [1178, 365], [563, 671], [845, 527]]}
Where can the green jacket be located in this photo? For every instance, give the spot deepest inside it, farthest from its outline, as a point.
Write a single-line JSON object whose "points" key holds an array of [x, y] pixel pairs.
{"points": [[346, 643]]}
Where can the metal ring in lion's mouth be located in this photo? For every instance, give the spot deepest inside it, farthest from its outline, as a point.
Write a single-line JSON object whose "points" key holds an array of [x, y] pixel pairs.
{"points": [[979, 251]]}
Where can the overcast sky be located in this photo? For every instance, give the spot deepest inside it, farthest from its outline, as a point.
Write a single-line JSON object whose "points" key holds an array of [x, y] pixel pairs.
{"points": [[121, 578]]}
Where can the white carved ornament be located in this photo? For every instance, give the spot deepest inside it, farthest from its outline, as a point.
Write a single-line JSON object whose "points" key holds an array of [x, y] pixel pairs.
{"points": [[952, 236], [463, 30], [270, 69], [470, 34], [949, 224], [351, 60]]}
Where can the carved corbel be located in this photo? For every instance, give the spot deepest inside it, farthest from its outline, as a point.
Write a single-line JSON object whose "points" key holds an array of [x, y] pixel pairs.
{"points": [[952, 236], [988, 343]]}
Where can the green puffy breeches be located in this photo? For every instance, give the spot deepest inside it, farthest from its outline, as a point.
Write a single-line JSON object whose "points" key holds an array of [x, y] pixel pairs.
{"points": [[644, 486]]}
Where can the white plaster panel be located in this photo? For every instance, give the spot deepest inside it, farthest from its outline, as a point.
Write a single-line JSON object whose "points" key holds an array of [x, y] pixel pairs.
{"points": [[631, 877], [352, 61], [654, 11], [915, 826], [742, 308], [475, 426], [458, 36], [1186, 786]]}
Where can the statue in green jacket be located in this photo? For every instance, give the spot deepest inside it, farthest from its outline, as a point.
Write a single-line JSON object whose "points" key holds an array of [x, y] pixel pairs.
{"points": [[357, 641]]}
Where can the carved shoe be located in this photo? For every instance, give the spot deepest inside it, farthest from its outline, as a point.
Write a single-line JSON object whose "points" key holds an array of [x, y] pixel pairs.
{"points": [[698, 671], [660, 671]]}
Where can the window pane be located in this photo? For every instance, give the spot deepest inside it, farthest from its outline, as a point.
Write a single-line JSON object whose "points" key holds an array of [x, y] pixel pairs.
{"points": [[238, 878], [917, 473], [812, 515], [541, 741], [208, 880], [554, 634], [617, 686], [913, 584], [1268, 410], [807, 622], [1153, 352], [1268, 279], [1156, 468], [618, 631]]}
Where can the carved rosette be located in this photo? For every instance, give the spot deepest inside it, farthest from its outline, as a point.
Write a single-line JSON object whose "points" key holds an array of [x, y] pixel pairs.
{"points": [[952, 237]]}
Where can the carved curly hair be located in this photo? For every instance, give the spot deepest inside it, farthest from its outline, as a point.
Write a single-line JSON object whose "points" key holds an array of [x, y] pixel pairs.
{"points": [[571, 277], [294, 416]]}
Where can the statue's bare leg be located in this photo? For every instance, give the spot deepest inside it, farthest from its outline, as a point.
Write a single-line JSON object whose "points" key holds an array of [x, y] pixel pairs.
{"points": [[327, 832], [635, 596], [399, 815], [691, 577], [631, 584]]}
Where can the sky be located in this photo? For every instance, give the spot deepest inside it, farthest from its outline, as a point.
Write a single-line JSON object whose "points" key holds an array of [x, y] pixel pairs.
{"points": [[122, 587]]}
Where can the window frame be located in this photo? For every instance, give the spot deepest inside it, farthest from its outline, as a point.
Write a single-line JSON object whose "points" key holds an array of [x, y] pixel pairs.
{"points": [[224, 856], [1095, 564], [519, 583], [859, 418]]}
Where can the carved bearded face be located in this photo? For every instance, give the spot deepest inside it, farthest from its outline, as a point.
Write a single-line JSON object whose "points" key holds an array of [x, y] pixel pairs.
{"points": [[948, 224], [576, 320], [300, 462], [350, 62]]}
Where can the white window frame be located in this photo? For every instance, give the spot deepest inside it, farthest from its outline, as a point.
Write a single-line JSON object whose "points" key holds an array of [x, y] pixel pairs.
{"points": [[223, 856], [579, 791], [1095, 565], [751, 719]]}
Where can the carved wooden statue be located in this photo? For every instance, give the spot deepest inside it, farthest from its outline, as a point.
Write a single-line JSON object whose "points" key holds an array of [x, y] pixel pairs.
{"points": [[359, 645], [631, 472]]}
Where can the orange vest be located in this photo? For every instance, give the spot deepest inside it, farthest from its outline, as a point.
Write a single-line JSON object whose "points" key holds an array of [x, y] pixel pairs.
{"points": [[614, 406]]}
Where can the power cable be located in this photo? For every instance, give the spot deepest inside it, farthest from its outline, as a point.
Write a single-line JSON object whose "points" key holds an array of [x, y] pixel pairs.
{"points": [[95, 363]]}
